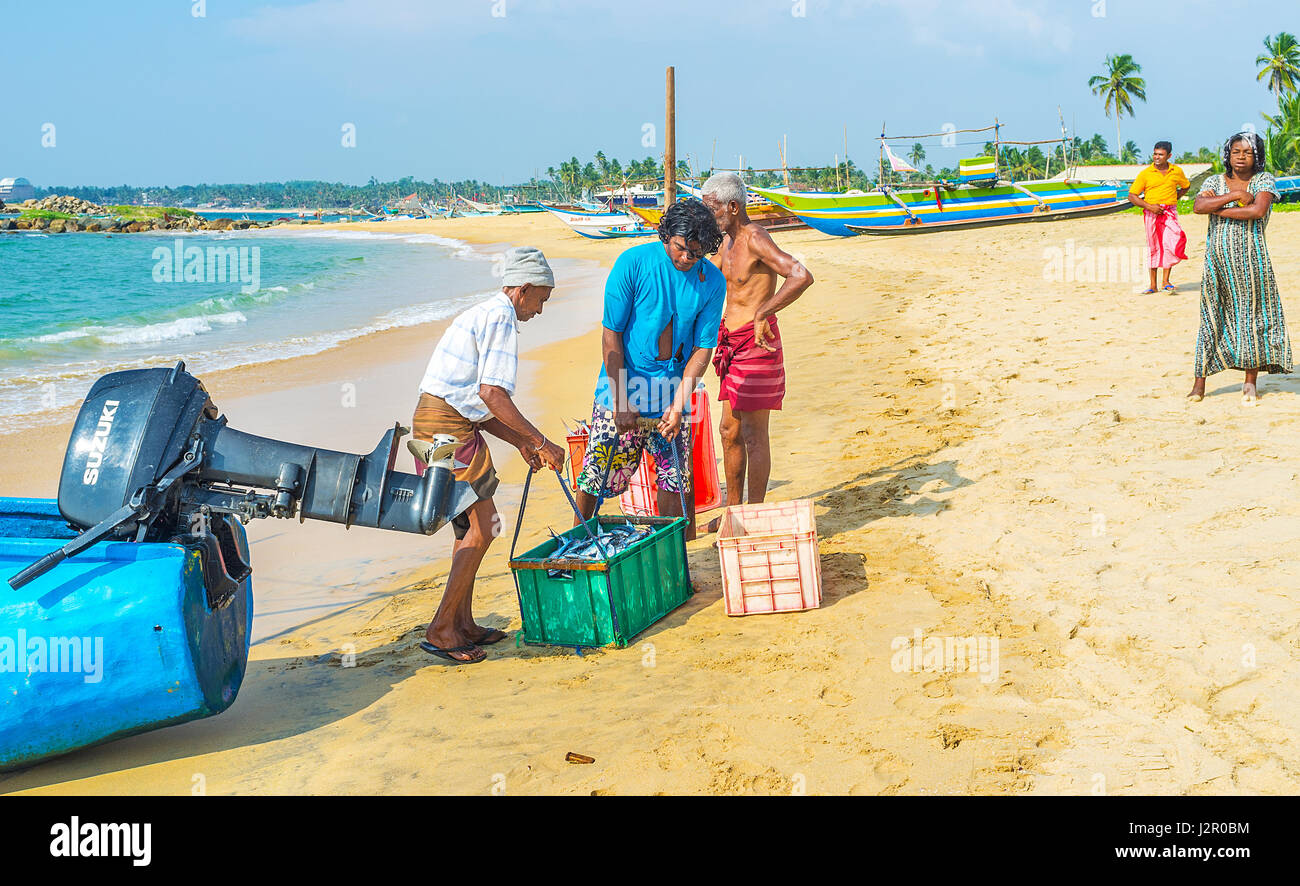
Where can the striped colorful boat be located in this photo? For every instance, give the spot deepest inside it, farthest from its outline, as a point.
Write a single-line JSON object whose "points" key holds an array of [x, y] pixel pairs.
{"points": [[977, 199], [769, 215]]}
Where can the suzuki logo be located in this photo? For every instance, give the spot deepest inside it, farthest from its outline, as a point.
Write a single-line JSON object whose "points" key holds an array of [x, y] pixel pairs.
{"points": [[98, 442]]}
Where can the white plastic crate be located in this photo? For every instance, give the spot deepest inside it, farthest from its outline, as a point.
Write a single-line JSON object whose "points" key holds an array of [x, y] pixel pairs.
{"points": [[770, 559]]}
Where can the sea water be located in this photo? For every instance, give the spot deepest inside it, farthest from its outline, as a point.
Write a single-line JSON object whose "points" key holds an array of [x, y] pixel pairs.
{"points": [[74, 306]]}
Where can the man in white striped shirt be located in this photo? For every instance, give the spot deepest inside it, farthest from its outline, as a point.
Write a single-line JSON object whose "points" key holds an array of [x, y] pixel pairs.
{"points": [[467, 390]]}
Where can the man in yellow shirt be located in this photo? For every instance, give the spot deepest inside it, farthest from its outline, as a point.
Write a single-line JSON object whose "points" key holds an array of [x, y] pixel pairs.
{"points": [[1157, 189]]}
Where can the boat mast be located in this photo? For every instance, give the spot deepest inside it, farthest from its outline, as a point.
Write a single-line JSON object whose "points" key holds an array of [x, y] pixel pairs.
{"points": [[1060, 116], [846, 157], [880, 181], [997, 145]]}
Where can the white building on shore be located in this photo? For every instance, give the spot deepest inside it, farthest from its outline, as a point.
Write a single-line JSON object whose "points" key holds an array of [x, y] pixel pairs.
{"points": [[16, 190]]}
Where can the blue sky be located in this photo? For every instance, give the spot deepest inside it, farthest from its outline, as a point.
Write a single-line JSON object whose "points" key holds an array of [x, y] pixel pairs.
{"points": [[146, 93]]}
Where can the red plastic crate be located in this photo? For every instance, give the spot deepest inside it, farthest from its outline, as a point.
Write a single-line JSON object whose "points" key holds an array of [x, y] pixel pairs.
{"points": [[577, 452], [641, 498], [770, 560]]}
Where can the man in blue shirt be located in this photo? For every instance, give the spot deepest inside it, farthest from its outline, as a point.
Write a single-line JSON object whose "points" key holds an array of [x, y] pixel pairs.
{"points": [[663, 306]]}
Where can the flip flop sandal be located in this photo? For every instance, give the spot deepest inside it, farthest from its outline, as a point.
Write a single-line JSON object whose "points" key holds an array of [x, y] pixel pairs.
{"points": [[1148, 292], [447, 653], [1171, 288], [484, 641]]}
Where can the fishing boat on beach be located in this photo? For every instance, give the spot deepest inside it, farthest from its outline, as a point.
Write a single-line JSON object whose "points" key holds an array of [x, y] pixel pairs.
{"points": [[480, 208], [1288, 188], [946, 205], [978, 197], [600, 225], [760, 210]]}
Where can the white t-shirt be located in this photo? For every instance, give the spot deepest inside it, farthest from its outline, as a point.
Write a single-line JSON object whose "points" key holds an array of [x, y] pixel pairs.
{"points": [[481, 347]]}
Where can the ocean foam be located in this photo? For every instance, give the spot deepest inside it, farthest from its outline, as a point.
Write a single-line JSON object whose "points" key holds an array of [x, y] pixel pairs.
{"points": [[149, 334]]}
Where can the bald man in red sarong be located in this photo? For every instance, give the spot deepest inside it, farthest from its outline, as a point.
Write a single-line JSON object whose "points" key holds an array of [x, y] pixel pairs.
{"points": [[749, 358]]}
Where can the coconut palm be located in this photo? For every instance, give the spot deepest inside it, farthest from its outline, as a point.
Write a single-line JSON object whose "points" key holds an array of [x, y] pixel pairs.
{"points": [[1283, 135], [1280, 64], [1119, 86], [916, 156], [1130, 152]]}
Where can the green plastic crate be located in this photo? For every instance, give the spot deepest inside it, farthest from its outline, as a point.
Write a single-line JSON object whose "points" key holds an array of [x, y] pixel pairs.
{"points": [[607, 603]]}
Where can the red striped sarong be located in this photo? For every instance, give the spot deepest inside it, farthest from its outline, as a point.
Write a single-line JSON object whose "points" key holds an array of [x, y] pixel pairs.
{"points": [[1165, 238], [752, 377]]}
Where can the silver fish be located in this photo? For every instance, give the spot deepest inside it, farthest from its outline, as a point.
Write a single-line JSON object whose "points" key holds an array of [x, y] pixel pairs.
{"points": [[613, 540]]}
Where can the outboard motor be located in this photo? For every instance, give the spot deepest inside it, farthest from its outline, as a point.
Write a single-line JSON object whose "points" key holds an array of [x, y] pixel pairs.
{"points": [[151, 460]]}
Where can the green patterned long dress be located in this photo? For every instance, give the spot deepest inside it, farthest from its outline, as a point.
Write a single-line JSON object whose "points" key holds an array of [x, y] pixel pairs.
{"points": [[1241, 311]]}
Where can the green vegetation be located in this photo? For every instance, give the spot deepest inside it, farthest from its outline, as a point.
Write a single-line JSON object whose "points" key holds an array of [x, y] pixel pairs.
{"points": [[49, 214], [1281, 68], [1119, 85], [1280, 64], [147, 213], [572, 177], [289, 194]]}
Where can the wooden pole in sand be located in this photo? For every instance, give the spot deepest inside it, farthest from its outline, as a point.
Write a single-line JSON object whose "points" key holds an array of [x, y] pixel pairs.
{"points": [[670, 142], [785, 154]]}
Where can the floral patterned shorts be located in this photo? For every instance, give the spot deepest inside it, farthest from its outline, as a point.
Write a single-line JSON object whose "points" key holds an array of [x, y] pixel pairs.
{"points": [[626, 450]]}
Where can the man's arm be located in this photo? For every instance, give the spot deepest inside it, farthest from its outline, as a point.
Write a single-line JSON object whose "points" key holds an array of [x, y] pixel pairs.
{"points": [[1137, 192], [797, 279], [1136, 200], [671, 422], [611, 345], [509, 424]]}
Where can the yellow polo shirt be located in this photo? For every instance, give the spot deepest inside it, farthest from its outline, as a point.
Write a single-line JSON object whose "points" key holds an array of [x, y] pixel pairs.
{"points": [[1162, 190]]}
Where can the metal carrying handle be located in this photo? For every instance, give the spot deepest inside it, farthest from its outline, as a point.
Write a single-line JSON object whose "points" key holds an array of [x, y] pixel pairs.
{"points": [[523, 502]]}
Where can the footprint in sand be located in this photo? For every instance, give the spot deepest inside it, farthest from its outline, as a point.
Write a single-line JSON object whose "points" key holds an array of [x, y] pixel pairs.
{"points": [[937, 689], [835, 696]]}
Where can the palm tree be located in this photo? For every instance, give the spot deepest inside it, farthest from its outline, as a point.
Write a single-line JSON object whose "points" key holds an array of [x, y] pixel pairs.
{"points": [[1119, 86], [916, 156], [1283, 135], [1280, 64], [1035, 162], [1130, 152]]}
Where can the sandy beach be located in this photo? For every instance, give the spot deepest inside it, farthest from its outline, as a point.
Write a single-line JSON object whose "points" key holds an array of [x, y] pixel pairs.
{"points": [[994, 432]]}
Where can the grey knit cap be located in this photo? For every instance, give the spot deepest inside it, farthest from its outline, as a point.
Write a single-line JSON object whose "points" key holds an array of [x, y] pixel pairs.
{"points": [[526, 264]]}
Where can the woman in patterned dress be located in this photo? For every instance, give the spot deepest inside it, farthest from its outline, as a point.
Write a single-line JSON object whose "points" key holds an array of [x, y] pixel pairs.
{"points": [[1241, 311]]}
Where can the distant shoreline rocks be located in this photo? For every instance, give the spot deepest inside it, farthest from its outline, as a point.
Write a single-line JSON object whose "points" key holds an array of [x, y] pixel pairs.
{"points": [[65, 215]]}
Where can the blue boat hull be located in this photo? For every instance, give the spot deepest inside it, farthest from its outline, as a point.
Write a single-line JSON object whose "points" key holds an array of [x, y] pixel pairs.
{"points": [[117, 640]]}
